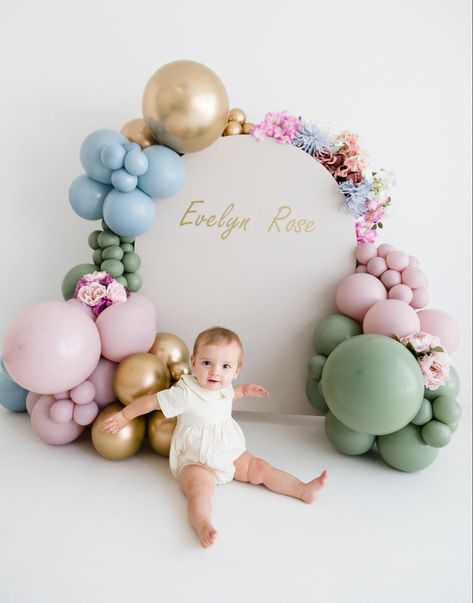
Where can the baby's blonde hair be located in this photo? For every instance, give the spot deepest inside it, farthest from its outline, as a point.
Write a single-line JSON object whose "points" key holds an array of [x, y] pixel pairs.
{"points": [[218, 336]]}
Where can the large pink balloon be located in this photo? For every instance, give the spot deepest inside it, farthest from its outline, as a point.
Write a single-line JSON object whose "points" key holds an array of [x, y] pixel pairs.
{"points": [[125, 329], [391, 317], [47, 429], [437, 322], [51, 347], [140, 300], [357, 293], [102, 378]]}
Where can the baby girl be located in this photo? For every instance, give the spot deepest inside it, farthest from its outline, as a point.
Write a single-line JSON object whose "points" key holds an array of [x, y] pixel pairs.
{"points": [[208, 446]]}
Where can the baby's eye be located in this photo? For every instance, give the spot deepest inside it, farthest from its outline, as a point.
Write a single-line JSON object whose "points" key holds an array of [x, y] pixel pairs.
{"points": [[206, 362], [227, 366]]}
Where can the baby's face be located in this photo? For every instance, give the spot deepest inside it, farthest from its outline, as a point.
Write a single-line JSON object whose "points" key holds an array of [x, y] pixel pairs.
{"points": [[215, 366]]}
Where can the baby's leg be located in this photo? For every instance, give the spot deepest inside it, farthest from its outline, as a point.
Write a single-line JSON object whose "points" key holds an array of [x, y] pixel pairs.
{"points": [[198, 483], [257, 471]]}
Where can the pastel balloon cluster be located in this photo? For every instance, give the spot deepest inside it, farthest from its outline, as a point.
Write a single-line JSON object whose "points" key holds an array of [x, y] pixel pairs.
{"points": [[121, 180]]}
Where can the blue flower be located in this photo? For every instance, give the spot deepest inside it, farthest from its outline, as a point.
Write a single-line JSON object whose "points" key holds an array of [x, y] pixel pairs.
{"points": [[356, 196], [311, 139]]}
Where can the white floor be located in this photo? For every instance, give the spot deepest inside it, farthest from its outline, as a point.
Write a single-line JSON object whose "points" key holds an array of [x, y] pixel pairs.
{"points": [[77, 528]]}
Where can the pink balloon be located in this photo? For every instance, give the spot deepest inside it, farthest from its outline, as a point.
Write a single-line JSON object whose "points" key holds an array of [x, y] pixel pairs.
{"points": [[397, 260], [391, 317], [377, 266], [31, 399], [102, 378], [365, 252], [48, 430], [420, 298], [51, 347], [125, 329], [140, 300], [437, 322], [83, 393], [413, 261], [85, 413], [87, 310], [61, 411], [361, 268], [414, 278], [401, 292], [390, 278], [384, 250], [62, 396], [357, 293]]}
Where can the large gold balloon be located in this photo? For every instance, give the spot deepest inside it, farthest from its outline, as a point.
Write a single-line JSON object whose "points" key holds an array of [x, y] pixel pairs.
{"points": [[178, 369], [121, 445], [140, 375], [137, 131], [160, 432], [170, 349], [185, 105]]}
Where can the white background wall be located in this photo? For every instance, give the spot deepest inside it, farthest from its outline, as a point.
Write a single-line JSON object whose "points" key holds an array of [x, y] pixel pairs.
{"points": [[397, 73]]}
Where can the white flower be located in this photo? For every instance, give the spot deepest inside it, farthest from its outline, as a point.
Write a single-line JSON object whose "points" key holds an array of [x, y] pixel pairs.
{"points": [[116, 293], [91, 294]]}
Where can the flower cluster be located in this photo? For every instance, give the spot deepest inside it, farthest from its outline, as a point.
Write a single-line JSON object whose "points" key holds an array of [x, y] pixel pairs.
{"points": [[366, 193], [99, 290], [433, 360]]}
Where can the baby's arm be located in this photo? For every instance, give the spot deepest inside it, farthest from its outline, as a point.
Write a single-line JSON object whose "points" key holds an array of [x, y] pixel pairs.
{"points": [[139, 407], [249, 389]]}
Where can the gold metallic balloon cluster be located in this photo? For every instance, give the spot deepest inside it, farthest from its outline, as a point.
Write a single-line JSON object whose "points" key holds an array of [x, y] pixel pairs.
{"points": [[137, 376], [237, 123]]}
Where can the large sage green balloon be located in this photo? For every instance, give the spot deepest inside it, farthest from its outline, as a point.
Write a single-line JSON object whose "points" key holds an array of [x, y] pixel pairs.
{"points": [[69, 281], [314, 395], [372, 384], [446, 409], [406, 450], [332, 330], [425, 413], [437, 434], [346, 440], [451, 388]]}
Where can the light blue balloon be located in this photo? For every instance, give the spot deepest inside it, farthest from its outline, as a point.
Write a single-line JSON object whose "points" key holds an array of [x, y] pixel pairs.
{"points": [[136, 162], [113, 156], [131, 146], [129, 214], [124, 181], [12, 395], [90, 153], [86, 197], [166, 172]]}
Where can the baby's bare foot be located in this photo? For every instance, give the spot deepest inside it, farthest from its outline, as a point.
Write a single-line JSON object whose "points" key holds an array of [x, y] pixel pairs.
{"points": [[207, 534], [309, 490]]}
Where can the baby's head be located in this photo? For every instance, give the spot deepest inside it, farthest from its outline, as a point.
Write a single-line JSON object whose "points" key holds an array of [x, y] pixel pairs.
{"points": [[217, 358]]}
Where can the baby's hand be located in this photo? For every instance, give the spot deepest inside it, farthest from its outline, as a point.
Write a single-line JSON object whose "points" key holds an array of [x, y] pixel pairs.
{"points": [[254, 391], [114, 423]]}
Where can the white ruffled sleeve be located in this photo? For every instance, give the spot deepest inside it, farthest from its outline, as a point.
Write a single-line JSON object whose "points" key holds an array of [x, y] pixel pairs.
{"points": [[174, 401]]}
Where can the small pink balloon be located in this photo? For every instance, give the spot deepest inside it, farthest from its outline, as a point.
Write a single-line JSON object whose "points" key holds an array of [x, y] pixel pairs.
{"points": [[384, 250], [420, 298], [401, 292], [102, 378], [85, 413], [413, 261], [437, 322], [83, 393], [125, 329], [414, 278], [397, 260], [357, 293], [62, 396], [48, 430], [392, 318], [365, 252], [376, 266], [140, 300], [61, 411], [31, 399], [87, 310], [361, 269], [390, 278]]}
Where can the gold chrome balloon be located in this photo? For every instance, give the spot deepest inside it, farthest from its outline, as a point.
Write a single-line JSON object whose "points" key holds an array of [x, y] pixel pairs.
{"points": [[178, 369], [121, 445], [247, 127], [237, 115], [140, 375], [185, 105], [160, 432], [233, 128], [137, 131], [170, 349]]}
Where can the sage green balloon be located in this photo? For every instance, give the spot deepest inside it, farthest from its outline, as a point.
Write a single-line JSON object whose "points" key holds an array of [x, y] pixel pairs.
{"points": [[346, 440], [113, 267], [436, 434], [134, 281], [334, 329], [114, 252], [425, 413], [446, 409], [122, 280], [71, 277], [105, 226], [453, 427], [97, 257], [451, 388], [105, 239], [93, 239], [131, 262], [125, 239], [316, 365], [126, 247], [373, 384], [406, 450], [314, 396]]}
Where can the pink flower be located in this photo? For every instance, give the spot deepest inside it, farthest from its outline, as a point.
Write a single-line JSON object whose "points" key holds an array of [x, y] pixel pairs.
{"points": [[92, 293], [94, 276], [435, 368], [421, 341], [116, 293], [365, 233], [282, 126]]}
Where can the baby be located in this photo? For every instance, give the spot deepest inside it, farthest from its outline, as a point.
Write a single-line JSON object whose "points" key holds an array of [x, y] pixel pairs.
{"points": [[208, 446]]}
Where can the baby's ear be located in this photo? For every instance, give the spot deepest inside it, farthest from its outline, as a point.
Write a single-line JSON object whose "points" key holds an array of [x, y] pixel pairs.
{"points": [[193, 361]]}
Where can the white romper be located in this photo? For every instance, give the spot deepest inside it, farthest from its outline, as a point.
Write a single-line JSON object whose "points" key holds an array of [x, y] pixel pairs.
{"points": [[205, 434]]}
